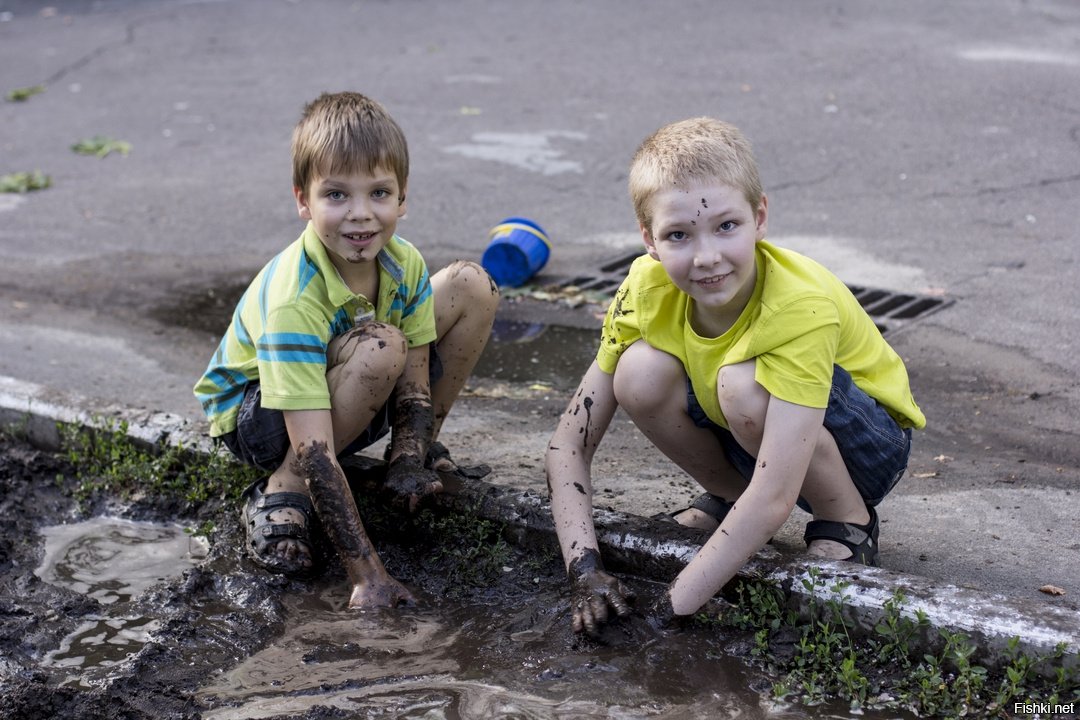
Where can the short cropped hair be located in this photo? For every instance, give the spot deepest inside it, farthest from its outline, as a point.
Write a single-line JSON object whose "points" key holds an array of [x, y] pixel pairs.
{"points": [[346, 133], [694, 150]]}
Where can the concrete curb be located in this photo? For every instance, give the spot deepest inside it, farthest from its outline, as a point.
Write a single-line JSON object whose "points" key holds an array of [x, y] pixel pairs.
{"points": [[642, 546]]}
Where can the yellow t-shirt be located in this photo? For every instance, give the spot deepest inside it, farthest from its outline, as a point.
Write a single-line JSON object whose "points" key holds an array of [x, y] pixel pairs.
{"points": [[799, 323]]}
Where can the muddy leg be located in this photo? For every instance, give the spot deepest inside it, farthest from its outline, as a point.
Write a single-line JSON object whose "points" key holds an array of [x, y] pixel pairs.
{"points": [[466, 299], [363, 366]]}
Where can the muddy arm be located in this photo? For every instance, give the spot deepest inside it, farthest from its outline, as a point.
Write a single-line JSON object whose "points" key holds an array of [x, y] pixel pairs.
{"points": [[310, 432], [568, 462], [787, 445]]}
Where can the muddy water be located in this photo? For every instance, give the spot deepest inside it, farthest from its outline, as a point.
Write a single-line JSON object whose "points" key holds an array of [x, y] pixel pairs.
{"points": [[530, 352], [464, 660], [166, 624], [112, 561]]}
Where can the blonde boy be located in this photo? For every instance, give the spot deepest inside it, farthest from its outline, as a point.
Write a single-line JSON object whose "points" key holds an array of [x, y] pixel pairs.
{"points": [[750, 366], [339, 339]]}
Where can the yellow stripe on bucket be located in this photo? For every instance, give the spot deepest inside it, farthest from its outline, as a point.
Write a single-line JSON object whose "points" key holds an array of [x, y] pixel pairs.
{"points": [[506, 228]]}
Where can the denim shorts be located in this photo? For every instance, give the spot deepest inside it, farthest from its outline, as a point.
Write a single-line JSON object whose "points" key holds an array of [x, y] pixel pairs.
{"points": [[260, 438], [874, 447]]}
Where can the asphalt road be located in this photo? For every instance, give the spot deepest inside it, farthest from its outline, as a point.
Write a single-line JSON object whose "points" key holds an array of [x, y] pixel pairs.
{"points": [[921, 147]]}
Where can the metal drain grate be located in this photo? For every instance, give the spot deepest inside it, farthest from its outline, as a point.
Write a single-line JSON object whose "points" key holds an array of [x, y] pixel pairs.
{"points": [[890, 310]]}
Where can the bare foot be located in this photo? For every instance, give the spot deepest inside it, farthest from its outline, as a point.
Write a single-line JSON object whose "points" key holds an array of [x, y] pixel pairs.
{"points": [[694, 518], [829, 549]]}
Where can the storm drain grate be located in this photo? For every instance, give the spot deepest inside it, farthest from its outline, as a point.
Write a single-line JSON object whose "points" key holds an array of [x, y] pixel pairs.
{"points": [[890, 310]]}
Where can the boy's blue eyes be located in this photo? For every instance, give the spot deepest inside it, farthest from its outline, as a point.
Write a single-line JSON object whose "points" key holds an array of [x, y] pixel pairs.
{"points": [[678, 235], [337, 195]]}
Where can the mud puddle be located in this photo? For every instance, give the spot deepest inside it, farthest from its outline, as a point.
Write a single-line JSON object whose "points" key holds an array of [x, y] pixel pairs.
{"points": [[129, 619], [523, 352], [111, 560], [469, 660]]}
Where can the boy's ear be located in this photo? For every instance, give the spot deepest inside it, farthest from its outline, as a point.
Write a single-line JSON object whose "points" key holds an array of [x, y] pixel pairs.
{"points": [[301, 203], [762, 218], [650, 245], [402, 210]]}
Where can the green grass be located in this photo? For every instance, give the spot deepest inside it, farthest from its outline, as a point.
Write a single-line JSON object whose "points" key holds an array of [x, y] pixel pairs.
{"points": [[108, 461], [891, 668]]}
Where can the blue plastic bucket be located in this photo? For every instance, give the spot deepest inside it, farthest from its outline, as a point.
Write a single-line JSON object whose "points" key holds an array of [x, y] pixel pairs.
{"points": [[517, 249]]}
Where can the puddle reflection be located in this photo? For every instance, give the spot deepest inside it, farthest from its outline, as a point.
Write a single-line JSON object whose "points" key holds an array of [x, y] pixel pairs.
{"points": [[461, 661], [113, 561], [530, 352]]}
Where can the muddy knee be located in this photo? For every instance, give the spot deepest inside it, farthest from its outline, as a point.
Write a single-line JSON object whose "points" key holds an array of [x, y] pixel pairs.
{"points": [[377, 346], [471, 281]]}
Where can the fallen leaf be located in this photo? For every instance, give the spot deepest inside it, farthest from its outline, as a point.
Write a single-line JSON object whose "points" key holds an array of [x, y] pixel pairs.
{"points": [[925, 475], [1051, 590], [943, 458], [22, 182], [24, 94], [101, 146]]}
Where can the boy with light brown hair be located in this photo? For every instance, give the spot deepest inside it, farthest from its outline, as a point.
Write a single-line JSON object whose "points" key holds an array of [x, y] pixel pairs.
{"points": [[750, 366], [340, 339]]}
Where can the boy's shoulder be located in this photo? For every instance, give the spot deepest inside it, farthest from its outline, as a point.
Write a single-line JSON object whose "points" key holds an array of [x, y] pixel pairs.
{"points": [[791, 276]]}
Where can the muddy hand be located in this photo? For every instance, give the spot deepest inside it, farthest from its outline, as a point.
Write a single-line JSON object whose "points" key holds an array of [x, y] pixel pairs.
{"points": [[592, 592], [384, 593], [410, 481]]}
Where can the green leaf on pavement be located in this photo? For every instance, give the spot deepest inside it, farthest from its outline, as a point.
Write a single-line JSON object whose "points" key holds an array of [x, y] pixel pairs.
{"points": [[101, 146]]}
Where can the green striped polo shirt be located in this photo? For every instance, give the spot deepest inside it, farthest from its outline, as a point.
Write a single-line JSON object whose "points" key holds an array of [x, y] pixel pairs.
{"points": [[289, 314]]}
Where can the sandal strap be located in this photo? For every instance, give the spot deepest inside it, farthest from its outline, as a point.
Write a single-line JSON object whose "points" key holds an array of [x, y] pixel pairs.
{"points": [[711, 505], [860, 540], [436, 452], [278, 531], [291, 500]]}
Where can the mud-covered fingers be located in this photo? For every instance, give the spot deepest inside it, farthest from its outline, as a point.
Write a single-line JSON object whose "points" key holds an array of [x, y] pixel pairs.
{"points": [[618, 601], [585, 618]]}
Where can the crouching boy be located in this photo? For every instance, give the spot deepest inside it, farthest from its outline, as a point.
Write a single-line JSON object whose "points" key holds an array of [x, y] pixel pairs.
{"points": [[750, 366], [340, 339]]}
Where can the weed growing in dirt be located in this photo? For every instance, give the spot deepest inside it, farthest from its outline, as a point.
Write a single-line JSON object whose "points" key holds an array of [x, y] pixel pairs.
{"points": [[471, 547], [819, 657], [107, 460]]}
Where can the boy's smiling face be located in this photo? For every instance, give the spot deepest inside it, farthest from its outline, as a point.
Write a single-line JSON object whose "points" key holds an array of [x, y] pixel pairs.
{"points": [[355, 215], [704, 235]]}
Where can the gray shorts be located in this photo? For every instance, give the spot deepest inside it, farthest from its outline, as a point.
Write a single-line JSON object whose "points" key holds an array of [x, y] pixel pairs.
{"points": [[260, 438], [874, 447]]}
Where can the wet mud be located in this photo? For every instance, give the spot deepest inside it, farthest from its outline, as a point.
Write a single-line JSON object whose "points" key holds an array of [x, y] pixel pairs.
{"points": [[490, 635]]}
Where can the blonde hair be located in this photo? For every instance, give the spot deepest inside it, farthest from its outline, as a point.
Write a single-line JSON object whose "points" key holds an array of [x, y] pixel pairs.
{"points": [[346, 133], [698, 149]]}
